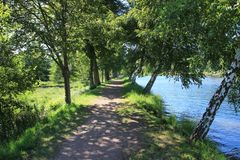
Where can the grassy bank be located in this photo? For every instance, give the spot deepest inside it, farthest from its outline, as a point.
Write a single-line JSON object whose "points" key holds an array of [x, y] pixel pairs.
{"points": [[166, 138], [56, 121]]}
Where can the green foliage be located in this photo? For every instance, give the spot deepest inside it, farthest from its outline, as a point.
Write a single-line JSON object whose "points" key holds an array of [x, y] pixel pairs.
{"points": [[55, 74], [234, 95], [15, 78], [116, 6], [182, 36], [80, 68], [38, 62], [15, 118], [25, 142]]}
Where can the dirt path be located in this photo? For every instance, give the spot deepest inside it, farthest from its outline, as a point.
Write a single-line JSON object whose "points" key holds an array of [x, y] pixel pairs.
{"points": [[104, 136]]}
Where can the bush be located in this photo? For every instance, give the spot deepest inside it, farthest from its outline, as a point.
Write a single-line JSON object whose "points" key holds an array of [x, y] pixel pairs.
{"points": [[16, 117]]}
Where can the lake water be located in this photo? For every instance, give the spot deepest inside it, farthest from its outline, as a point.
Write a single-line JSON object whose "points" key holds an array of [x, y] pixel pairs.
{"points": [[192, 103]]}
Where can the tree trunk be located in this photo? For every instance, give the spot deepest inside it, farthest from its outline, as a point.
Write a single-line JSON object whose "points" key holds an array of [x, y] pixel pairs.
{"points": [[91, 80], [203, 126], [94, 74], [134, 75], [131, 75], [65, 65], [150, 83], [66, 76], [95, 71], [102, 75], [137, 71], [107, 75]]}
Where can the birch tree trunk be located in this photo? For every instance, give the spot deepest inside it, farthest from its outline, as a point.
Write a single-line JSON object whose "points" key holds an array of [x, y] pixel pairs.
{"points": [[203, 126], [134, 76], [150, 83], [137, 71]]}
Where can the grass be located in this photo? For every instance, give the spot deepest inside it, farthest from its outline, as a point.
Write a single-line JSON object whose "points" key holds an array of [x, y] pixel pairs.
{"points": [[50, 94], [57, 121], [166, 138]]}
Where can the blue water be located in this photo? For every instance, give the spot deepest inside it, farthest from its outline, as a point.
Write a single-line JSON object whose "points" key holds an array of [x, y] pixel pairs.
{"points": [[192, 103]]}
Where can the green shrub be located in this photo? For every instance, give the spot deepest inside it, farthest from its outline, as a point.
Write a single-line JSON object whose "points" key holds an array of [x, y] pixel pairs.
{"points": [[16, 117]]}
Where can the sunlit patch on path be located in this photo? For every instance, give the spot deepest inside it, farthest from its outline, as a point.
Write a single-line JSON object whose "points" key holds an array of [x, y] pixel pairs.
{"points": [[104, 135]]}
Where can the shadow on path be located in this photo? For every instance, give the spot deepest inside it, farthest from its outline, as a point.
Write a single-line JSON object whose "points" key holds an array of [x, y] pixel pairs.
{"points": [[104, 136]]}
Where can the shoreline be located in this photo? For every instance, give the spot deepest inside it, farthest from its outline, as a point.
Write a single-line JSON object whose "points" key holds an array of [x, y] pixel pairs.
{"points": [[165, 130]]}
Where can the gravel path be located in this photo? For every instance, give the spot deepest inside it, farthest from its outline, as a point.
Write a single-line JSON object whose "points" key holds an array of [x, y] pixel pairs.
{"points": [[104, 136]]}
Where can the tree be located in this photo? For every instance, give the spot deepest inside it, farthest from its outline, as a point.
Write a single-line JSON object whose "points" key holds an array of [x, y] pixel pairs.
{"points": [[203, 126], [51, 25], [15, 78], [38, 62], [164, 32], [188, 34], [226, 40], [93, 72], [80, 68], [100, 37], [150, 83], [133, 51]]}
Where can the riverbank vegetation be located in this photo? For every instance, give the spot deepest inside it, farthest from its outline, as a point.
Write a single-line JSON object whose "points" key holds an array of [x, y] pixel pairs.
{"points": [[165, 137]]}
